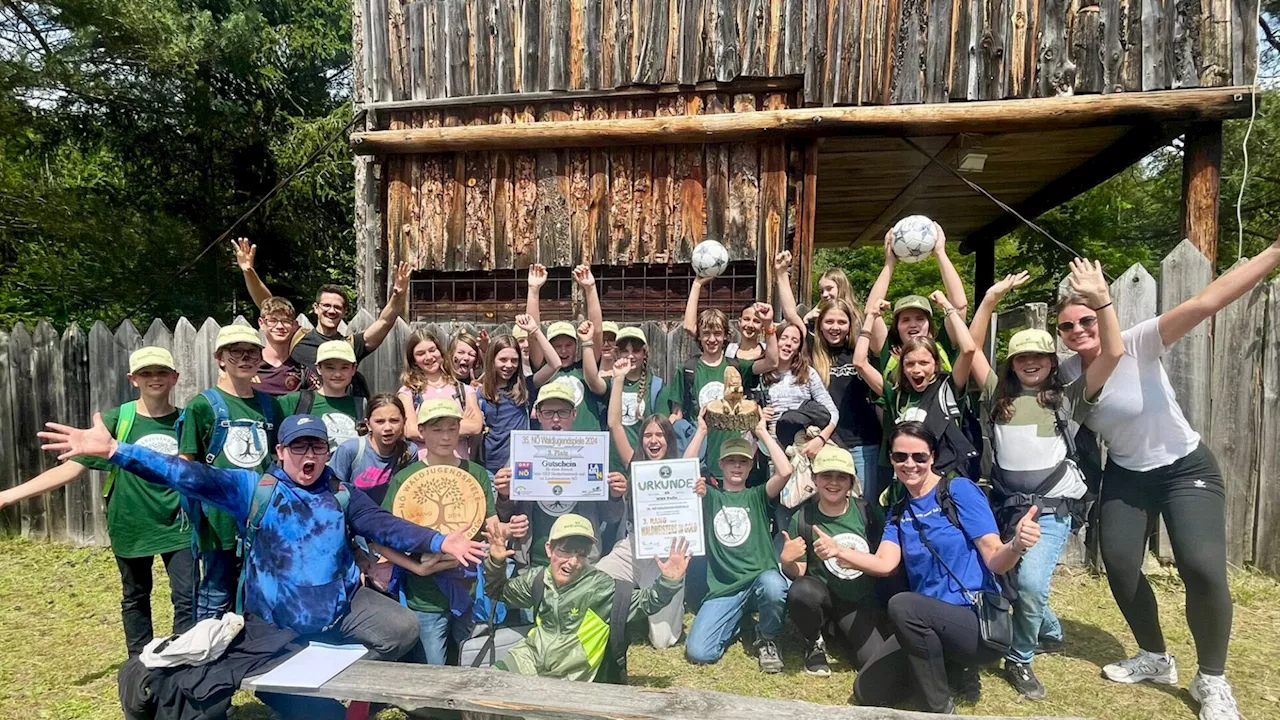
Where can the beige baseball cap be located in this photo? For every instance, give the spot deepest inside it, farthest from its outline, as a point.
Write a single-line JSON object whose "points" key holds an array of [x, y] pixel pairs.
{"points": [[437, 408], [833, 458], [233, 334], [518, 333], [151, 356], [609, 327], [631, 333], [571, 525], [554, 391], [1031, 341], [736, 447], [335, 350], [559, 328]]}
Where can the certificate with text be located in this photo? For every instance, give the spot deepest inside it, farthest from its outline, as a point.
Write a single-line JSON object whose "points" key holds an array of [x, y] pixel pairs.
{"points": [[665, 507], [570, 466]]}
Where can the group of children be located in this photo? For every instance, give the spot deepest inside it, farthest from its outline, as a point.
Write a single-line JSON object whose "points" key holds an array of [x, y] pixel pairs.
{"points": [[834, 385]]}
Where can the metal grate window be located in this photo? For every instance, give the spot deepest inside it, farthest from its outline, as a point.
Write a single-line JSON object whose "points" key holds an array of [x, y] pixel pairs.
{"points": [[637, 293], [495, 296]]}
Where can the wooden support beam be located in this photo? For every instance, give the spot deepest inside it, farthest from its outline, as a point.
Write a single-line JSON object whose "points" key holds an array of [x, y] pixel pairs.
{"points": [[1129, 149], [984, 272], [807, 227], [1201, 171], [1001, 116], [497, 694]]}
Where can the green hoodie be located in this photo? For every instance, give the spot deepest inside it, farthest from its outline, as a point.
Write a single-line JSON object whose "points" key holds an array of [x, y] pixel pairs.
{"points": [[571, 633]]}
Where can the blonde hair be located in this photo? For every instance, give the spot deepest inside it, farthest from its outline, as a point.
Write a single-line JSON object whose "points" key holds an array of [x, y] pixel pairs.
{"points": [[822, 351], [844, 291], [276, 305], [414, 377], [711, 319]]}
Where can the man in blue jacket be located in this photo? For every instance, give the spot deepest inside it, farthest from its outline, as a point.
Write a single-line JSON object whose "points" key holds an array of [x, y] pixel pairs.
{"points": [[300, 569]]}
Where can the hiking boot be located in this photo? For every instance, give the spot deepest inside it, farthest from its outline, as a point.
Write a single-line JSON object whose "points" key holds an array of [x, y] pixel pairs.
{"points": [[1048, 646], [770, 660], [1145, 666], [965, 683], [1215, 697], [1024, 680], [815, 661]]}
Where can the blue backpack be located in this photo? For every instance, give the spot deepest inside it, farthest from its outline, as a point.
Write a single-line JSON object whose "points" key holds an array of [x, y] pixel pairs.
{"points": [[222, 422]]}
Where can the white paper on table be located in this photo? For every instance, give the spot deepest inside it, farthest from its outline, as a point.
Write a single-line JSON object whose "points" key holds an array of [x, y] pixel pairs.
{"points": [[665, 507], [314, 666], [559, 466]]}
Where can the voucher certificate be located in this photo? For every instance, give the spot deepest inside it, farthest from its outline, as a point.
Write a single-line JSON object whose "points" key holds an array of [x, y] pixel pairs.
{"points": [[571, 466], [665, 506]]}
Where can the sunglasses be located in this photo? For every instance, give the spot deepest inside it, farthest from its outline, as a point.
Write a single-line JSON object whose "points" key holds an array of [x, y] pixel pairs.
{"points": [[918, 458], [1086, 323]]}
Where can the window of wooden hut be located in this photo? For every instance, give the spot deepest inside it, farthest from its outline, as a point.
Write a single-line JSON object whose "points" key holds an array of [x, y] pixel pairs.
{"points": [[658, 292]]}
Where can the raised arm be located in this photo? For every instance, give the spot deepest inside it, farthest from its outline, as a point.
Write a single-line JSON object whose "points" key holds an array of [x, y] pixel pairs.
{"points": [[472, 417], [537, 278], [617, 433], [1088, 281], [699, 437], [1217, 295], [867, 370], [1000, 557], [691, 305], [377, 332], [880, 289], [516, 591], [51, 479], [590, 364], [245, 255], [769, 360], [986, 309], [787, 296], [950, 278], [369, 520], [582, 275], [539, 341], [781, 463], [968, 358]]}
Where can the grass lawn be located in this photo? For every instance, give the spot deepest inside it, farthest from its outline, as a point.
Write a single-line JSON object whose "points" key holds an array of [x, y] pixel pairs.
{"points": [[61, 644]]}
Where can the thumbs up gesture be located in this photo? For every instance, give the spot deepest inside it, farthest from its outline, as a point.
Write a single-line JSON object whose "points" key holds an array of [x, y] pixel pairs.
{"points": [[792, 548], [823, 546], [1027, 533]]}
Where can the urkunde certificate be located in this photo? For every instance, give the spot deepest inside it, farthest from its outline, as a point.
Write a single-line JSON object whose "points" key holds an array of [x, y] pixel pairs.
{"points": [[665, 506], [569, 466]]}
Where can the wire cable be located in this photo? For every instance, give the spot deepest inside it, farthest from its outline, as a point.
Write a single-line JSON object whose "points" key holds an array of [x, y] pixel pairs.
{"points": [[1244, 145]]}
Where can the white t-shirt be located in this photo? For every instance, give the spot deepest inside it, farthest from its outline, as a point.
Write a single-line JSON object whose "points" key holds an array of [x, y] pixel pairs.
{"points": [[1137, 413]]}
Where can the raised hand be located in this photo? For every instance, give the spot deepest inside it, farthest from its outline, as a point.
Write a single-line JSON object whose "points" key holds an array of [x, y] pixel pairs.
{"points": [[764, 311], [537, 276], [702, 420], [497, 537], [526, 323], [890, 258], [70, 442], [617, 484], [939, 247], [677, 562], [502, 482], [518, 527], [1027, 533], [939, 298], [582, 275], [400, 283], [824, 546], [462, 548], [482, 343], [1008, 283], [1088, 281], [793, 548], [782, 262], [585, 329], [245, 253], [812, 447], [621, 367], [700, 487]]}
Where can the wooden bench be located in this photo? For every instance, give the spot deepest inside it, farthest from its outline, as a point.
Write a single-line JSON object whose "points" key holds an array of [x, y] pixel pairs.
{"points": [[453, 692]]}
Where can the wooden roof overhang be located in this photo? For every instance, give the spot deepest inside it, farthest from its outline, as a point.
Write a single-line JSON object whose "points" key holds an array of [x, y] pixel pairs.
{"points": [[874, 162]]}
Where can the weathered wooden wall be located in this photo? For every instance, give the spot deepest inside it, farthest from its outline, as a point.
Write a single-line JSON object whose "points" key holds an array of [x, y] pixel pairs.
{"points": [[848, 52], [616, 206]]}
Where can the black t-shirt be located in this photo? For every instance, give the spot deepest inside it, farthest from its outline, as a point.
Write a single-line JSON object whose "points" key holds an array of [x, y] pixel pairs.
{"points": [[304, 351], [859, 424]]}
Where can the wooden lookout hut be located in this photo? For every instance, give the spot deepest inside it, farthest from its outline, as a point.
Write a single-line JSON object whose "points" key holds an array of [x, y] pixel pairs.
{"points": [[620, 133]]}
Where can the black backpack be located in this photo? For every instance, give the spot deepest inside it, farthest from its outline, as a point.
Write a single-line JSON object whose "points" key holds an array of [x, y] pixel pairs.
{"points": [[614, 667], [307, 400]]}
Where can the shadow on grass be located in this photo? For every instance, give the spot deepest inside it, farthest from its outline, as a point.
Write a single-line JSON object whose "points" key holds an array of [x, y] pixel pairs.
{"points": [[650, 681], [1090, 643], [96, 676]]}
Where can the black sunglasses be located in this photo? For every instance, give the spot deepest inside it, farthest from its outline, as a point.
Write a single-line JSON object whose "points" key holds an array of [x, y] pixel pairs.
{"points": [[1086, 323], [919, 458]]}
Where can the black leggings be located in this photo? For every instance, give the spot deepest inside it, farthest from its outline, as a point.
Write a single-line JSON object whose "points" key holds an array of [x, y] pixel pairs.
{"points": [[1189, 495], [814, 609], [928, 635]]}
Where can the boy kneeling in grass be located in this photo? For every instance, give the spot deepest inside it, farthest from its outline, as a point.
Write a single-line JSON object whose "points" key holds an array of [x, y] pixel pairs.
{"points": [[573, 603], [742, 567]]}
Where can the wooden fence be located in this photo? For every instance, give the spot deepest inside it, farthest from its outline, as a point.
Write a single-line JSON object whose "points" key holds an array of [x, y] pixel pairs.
{"points": [[1226, 373]]}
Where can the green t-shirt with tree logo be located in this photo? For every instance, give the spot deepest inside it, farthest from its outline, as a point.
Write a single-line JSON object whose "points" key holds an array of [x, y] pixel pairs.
{"points": [[848, 530], [338, 413], [739, 547], [246, 448], [421, 593], [143, 519]]}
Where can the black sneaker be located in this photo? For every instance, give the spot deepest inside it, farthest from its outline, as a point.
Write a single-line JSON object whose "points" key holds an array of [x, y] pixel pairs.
{"points": [[1049, 646], [1024, 680], [965, 684], [770, 659], [815, 661]]}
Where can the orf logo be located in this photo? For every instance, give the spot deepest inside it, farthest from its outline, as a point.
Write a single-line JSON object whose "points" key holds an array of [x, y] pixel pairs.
{"points": [[524, 471]]}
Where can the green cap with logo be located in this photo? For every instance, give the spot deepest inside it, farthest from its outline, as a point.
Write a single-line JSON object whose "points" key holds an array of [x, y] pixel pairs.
{"points": [[736, 447], [554, 391], [151, 356], [1031, 341], [632, 333], [571, 525], [561, 328], [833, 458], [917, 302], [335, 350]]}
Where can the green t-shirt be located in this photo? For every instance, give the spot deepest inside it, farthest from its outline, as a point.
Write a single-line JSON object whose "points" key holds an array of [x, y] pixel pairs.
{"points": [[739, 547], [635, 408], [591, 408], [889, 359], [849, 530], [421, 593], [338, 413], [143, 519], [708, 385], [247, 447]]}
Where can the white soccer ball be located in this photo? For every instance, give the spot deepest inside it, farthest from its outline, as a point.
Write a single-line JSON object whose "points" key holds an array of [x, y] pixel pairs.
{"points": [[913, 238], [709, 258]]}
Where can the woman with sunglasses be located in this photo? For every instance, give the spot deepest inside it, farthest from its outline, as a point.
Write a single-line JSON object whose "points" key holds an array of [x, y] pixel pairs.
{"points": [[948, 563], [1157, 464], [1030, 415]]}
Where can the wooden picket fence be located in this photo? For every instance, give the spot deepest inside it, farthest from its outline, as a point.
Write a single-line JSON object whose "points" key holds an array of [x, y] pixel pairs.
{"points": [[1226, 373]]}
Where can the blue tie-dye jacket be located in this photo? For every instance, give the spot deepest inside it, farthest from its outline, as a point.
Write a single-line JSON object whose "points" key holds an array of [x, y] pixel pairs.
{"points": [[301, 571]]}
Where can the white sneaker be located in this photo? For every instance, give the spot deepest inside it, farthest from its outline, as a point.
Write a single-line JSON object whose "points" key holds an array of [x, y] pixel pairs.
{"points": [[1215, 698], [1145, 666]]}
